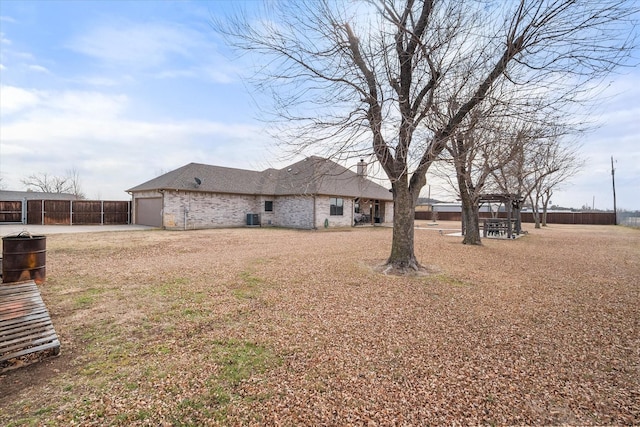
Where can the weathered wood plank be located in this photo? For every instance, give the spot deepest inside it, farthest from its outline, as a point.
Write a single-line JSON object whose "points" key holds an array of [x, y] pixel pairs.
{"points": [[12, 288], [19, 320], [26, 334], [21, 306], [47, 346], [10, 316], [23, 296], [19, 296], [27, 343], [17, 327], [25, 324]]}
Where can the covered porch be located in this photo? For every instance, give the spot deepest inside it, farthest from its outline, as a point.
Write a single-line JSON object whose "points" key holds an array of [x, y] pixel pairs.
{"points": [[368, 211]]}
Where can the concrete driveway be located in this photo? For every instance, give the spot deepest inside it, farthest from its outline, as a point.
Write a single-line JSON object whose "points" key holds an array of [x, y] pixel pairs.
{"points": [[43, 230]]}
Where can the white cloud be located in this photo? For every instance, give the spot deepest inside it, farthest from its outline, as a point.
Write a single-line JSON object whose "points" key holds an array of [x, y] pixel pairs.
{"points": [[167, 51], [218, 75], [90, 131], [101, 81], [77, 103], [39, 68], [141, 45], [211, 73], [90, 104], [14, 99]]}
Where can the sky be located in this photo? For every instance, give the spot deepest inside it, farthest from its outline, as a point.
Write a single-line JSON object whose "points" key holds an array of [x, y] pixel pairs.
{"points": [[123, 91]]}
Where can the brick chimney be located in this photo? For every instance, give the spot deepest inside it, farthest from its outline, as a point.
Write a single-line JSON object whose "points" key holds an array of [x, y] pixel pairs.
{"points": [[362, 168]]}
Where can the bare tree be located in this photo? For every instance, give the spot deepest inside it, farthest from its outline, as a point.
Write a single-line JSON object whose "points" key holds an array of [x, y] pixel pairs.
{"points": [[46, 183], [553, 166], [55, 184], [355, 77], [542, 161], [73, 176], [476, 154]]}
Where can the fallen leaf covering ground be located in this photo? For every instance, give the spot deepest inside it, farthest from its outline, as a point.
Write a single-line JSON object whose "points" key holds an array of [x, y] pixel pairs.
{"points": [[284, 327]]}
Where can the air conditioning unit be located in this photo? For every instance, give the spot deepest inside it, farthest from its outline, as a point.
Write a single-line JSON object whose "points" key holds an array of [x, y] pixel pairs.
{"points": [[253, 219]]}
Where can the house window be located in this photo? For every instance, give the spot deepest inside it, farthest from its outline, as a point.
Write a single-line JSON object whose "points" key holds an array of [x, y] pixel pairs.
{"points": [[336, 205], [268, 206]]}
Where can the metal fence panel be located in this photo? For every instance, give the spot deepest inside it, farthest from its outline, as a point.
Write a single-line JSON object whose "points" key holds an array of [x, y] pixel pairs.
{"points": [[67, 212]]}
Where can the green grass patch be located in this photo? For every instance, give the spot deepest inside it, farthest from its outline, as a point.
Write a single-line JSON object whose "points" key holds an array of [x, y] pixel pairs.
{"points": [[240, 360], [248, 286], [170, 287], [143, 414], [45, 410], [161, 349], [87, 298], [194, 313]]}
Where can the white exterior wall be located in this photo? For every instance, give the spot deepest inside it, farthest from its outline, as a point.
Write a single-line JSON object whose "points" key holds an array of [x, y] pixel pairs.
{"points": [[267, 219], [211, 210], [191, 210], [323, 212], [388, 213], [293, 211]]}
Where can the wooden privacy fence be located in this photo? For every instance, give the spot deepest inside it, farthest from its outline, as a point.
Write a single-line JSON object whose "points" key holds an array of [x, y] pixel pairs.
{"points": [[594, 218], [66, 212]]}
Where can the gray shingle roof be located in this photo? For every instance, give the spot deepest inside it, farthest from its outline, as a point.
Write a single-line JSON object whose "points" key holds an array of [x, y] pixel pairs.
{"points": [[311, 176], [215, 179]]}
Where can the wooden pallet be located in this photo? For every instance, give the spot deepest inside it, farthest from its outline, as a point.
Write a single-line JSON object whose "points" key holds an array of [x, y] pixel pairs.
{"points": [[25, 324]]}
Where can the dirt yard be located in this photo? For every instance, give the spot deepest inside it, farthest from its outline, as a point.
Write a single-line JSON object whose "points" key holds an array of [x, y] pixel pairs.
{"points": [[283, 327]]}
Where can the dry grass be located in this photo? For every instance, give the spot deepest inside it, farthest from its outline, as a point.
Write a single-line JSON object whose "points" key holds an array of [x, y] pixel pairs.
{"points": [[282, 327]]}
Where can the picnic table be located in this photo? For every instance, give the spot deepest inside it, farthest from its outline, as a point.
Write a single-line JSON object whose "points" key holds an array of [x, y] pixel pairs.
{"points": [[498, 227]]}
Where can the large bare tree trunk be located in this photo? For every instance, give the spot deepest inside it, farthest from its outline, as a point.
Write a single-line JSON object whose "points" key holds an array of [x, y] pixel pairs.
{"points": [[546, 196], [470, 218], [535, 211], [402, 256], [459, 149]]}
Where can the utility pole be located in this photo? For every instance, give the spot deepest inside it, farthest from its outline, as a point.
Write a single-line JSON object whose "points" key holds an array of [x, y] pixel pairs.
{"points": [[613, 181]]}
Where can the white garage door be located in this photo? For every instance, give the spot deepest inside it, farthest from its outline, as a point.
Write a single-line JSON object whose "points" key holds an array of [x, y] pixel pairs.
{"points": [[149, 211]]}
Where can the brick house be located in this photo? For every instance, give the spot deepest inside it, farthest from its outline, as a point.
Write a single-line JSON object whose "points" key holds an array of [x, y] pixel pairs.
{"points": [[312, 193]]}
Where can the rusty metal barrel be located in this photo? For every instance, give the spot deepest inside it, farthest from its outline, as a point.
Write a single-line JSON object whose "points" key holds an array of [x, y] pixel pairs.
{"points": [[24, 257]]}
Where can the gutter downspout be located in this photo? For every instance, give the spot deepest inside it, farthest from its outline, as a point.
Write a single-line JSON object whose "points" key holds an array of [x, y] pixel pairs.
{"points": [[186, 210], [162, 210], [314, 227], [130, 213], [353, 207], [24, 210]]}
